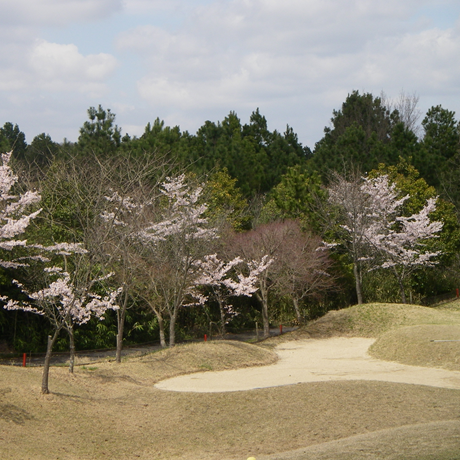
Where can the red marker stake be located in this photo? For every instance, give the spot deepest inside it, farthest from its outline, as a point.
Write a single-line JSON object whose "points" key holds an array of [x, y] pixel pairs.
{"points": [[205, 338], [24, 356]]}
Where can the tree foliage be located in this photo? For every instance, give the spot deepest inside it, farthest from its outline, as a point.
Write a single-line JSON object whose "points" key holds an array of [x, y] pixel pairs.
{"points": [[250, 178]]}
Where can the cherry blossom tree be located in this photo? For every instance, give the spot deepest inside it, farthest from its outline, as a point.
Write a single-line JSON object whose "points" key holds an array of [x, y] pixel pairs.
{"points": [[376, 232], [118, 221], [217, 275], [65, 302], [13, 217], [350, 216], [400, 241], [100, 202], [177, 234]]}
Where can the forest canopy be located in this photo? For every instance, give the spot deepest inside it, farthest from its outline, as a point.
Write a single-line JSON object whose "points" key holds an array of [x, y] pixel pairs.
{"points": [[254, 227]]}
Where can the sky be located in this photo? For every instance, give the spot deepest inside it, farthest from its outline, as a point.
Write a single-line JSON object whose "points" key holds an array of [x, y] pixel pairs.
{"points": [[188, 61]]}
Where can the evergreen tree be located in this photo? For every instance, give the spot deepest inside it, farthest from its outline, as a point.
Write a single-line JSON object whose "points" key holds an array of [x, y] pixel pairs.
{"points": [[13, 139], [440, 145], [99, 135], [364, 133]]}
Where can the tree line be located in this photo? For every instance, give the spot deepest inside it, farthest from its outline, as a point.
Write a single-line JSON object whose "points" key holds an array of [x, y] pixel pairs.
{"points": [[174, 235]]}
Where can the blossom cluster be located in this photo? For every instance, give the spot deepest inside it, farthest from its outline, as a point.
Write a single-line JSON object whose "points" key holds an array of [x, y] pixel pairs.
{"points": [[217, 274], [399, 238], [185, 216], [13, 221], [65, 302]]}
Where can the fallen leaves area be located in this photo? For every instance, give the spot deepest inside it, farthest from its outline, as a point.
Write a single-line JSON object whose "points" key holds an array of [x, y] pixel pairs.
{"points": [[113, 411]]}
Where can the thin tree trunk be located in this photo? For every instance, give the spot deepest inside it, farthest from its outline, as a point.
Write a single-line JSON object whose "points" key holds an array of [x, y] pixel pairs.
{"points": [[401, 285], [403, 292], [223, 328], [46, 366], [357, 274], [119, 343], [161, 326], [297, 311], [262, 299], [172, 329], [72, 349], [121, 315], [265, 320]]}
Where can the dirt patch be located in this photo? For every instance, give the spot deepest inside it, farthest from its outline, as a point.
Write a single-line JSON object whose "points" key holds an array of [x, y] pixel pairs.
{"points": [[314, 360], [15, 414]]}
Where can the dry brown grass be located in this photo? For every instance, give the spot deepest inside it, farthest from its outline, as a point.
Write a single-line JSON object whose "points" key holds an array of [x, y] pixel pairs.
{"points": [[113, 411], [404, 333], [373, 319], [92, 416], [424, 345]]}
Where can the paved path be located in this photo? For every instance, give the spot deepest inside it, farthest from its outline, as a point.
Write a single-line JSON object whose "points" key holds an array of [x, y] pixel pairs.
{"points": [[319, 360]]}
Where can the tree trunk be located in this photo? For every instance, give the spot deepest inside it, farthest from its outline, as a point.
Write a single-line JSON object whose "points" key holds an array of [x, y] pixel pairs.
{"points": [[121, 315], [265, 320], [172, 329], [357, 274], [403, 292], [400, 279], [297, 311], [223, 328], [263, 300], [46, 366], [161, 326], [72, 349]]}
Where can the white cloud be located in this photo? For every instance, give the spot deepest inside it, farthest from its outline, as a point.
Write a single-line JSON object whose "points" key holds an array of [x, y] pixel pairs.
{"points": [[247, 53], [144, 6], [56, 67], [55, 12], [133, 130], [63, 67], [198, 59], [427, 60]]}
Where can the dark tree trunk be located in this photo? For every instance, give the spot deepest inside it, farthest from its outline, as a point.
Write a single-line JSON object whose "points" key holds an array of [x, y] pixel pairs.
{"points": [[121, 315], [172, 329], [359, 292], [72, 349], [298, 315], [266, 323], [223, 328], [161, 326], [46, 366]]}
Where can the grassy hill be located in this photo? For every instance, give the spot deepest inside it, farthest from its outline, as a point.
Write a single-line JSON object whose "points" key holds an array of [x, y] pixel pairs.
{"points": [[113, 411], [409, 334]]}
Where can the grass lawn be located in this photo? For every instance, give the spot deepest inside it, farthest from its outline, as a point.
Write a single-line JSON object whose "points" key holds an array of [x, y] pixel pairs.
{"points": [[113, 411]]}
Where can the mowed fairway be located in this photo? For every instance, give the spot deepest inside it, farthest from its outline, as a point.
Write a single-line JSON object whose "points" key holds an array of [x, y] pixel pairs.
{"points": [[113, 411]]}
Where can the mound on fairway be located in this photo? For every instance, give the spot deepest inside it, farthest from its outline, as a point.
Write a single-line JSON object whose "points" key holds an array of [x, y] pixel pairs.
{"points": [[431, 345], [374, 319], [193, 357], [113, 410]]}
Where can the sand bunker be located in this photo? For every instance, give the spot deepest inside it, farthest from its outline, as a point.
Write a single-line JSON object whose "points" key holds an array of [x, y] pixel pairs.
{"points": [[337, 358]]}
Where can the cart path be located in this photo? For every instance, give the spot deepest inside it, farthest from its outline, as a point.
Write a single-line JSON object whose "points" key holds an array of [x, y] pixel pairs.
{"points": [[314, 360]]}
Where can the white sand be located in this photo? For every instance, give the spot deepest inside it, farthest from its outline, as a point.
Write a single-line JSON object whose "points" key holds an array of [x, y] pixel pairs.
{"points": [[320, 360]]}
